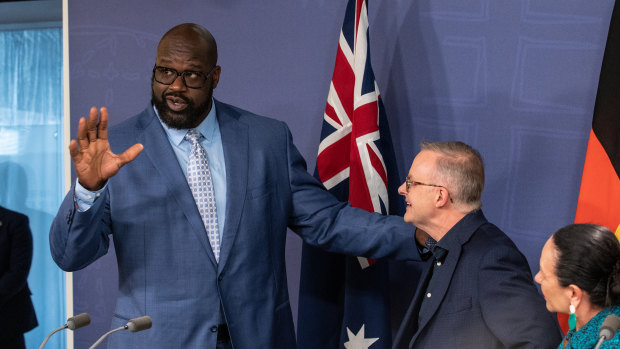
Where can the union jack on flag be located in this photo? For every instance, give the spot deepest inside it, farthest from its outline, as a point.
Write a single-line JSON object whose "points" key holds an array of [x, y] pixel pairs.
{"points": [[349, 148], [343, 301]]}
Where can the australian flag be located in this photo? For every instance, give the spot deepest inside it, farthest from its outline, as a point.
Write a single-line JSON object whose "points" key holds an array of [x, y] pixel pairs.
{"points": [[343, 301]]}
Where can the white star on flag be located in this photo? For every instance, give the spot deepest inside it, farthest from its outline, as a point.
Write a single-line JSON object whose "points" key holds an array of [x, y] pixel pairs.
{"points": [[357, 341]]}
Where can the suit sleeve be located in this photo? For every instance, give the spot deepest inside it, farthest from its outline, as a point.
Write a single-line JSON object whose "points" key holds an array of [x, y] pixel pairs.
{"points": [[322, 221], [510, 303], [15, 278], [79, 238]]}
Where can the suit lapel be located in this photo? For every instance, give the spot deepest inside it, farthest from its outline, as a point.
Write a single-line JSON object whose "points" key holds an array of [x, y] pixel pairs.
{"points": [[442, 275], [235, 143], [157, 148]]}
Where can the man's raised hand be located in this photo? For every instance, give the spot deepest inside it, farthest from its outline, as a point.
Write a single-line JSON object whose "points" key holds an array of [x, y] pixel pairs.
{"points": [[91, 154]]}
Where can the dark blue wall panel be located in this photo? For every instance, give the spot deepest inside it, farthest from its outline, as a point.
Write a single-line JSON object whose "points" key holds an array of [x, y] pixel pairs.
{"points": [[516, 79]]}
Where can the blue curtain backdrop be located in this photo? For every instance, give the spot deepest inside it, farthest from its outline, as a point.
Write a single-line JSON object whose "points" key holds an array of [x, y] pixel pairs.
{"points": [[31, 159]]}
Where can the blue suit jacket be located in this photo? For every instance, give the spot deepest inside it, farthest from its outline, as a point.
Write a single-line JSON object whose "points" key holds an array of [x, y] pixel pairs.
{"points": [[166, 266], [482, 296], [17, 313]]}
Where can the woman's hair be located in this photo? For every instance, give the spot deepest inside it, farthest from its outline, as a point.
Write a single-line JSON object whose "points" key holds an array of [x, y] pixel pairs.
{"points": [[588, 256]]}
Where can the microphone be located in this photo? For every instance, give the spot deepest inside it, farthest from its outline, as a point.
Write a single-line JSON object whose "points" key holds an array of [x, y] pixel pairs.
{"points": [[608, 329], [139, 324], [134, 325], [73, 323]]}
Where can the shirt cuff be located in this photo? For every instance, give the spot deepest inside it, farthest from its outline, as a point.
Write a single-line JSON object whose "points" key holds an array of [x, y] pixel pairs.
{"points": [[85, 198]]}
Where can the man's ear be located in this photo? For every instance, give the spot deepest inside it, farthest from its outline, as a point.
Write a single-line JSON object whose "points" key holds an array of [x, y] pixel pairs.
{"points": [[442, 197], [216, 76]]}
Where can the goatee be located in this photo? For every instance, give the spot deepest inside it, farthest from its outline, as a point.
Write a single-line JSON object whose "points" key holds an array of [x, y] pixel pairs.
{"points": [[189, 117]]}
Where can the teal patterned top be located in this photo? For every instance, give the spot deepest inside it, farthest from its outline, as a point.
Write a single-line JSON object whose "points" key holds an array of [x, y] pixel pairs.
{"points": [[587, 336]]}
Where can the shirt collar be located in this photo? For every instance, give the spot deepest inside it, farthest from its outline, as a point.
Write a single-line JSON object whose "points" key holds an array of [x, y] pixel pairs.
{"points": [[207, 126], [449, 240], [452, 238], [438, 252]]}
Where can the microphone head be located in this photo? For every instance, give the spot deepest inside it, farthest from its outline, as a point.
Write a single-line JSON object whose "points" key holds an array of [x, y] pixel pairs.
{"points": [[139, 323], [75, 322], [609, 326]]}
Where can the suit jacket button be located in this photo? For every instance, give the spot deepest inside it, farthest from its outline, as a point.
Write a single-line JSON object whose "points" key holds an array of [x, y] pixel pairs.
{"points": [[219, 278], [428, 295], [213, 328]]}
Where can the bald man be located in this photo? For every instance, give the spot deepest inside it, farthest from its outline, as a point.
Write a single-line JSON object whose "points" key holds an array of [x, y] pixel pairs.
{"points": [[197, 195]]}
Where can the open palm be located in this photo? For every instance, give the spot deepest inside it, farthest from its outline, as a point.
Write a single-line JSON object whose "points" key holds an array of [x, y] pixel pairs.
{"points": [[94, 162]]}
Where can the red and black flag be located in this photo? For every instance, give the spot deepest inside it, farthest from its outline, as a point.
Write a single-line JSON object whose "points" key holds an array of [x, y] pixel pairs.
{"points": [[599, 195]]}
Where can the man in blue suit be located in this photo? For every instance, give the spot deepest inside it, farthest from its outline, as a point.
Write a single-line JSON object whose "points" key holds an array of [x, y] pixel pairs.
{"points": [[209, 276], [477, 291], [17, 315]]}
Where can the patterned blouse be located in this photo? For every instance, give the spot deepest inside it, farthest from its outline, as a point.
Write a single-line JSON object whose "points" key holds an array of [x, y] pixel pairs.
{"points": [[587, 336]]}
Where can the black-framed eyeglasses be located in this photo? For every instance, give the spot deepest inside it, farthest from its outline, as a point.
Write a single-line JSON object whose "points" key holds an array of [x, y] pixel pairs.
{"points": [[409, 183], [191, 79]]}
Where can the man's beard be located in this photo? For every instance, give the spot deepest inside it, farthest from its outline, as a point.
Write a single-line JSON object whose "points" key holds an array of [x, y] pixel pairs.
{"points": [[189, 117]]}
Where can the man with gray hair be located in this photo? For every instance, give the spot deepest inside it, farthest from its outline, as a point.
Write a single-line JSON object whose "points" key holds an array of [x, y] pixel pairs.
{"points": [[478, 290]]}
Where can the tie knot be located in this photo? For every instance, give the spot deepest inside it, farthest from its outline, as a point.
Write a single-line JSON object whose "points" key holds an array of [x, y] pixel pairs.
{"points": [[193, 136]]}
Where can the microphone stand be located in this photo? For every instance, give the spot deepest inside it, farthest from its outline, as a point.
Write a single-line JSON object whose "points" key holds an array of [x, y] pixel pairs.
{"points": [[73, 323], [49, 335], [600, 341], [105, 335], [134, 325]]}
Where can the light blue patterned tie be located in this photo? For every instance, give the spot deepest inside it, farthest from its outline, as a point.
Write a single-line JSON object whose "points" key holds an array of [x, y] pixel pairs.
{"points": [[201, 184]]}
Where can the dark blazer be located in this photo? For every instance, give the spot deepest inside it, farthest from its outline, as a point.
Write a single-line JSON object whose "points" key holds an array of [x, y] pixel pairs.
{"points": [[166, 266], [17, 315], [481, 296]]}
